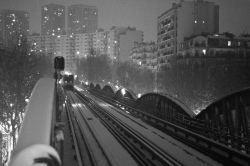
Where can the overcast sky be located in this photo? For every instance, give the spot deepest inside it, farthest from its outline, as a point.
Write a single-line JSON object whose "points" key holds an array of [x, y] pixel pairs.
{"points": [[142, 14]]}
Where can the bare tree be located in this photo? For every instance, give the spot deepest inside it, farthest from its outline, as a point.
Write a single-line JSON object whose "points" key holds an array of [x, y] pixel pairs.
{"points": [[95, 68], [138, 79], [20, 69]]}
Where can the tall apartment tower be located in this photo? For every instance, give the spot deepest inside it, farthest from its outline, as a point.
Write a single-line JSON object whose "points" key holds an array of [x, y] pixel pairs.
{"points": [[53, 20], [82, 19], [12, 21], [183, 20]]}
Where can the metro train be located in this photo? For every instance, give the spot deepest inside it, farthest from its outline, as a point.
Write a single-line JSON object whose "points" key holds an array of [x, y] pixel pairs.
{"points": [[68, 81]]}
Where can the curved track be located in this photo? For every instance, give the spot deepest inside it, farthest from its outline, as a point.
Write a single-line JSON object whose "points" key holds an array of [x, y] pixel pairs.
{"points": [[149, 145], [217, 151], [144, 151]]}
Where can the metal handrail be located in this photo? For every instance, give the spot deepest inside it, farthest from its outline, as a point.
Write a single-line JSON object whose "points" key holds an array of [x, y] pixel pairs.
{"points": [[37, 130]]}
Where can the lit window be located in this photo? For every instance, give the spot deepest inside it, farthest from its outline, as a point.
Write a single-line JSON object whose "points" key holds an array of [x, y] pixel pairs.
{"points": [[204, 51], [229, 43]]}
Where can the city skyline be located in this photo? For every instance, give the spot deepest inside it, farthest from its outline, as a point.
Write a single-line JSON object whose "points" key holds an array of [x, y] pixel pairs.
{"points": [[141, 14]]}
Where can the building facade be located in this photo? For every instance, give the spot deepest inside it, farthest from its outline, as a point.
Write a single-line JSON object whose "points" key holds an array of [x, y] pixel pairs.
{"points": [[125, 38], [53, 20], [82, 19], [12, 21], [145, 55], [215, 46], [183, 20], [116, 43], [74, 47]]}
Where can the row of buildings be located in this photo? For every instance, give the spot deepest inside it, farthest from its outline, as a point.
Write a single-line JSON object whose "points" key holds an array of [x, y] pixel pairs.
{"points": [[210, 46], [73, 38], [183, 31], [81, 19], [116, 43], [187, 29]]}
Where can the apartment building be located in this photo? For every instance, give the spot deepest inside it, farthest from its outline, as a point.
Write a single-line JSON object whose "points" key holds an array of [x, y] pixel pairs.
{"points": [[183, 20], [222, 46], [53, 20], [12, 21], [116, 43], [124, 39], [145, 55], [82, 19]]}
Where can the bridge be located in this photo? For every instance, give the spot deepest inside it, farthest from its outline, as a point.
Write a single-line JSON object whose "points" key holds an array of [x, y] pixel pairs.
{"points": [[97, 125]]}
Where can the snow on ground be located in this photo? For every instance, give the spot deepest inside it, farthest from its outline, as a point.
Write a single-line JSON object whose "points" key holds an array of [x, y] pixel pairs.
{"points": [[174, 148]]}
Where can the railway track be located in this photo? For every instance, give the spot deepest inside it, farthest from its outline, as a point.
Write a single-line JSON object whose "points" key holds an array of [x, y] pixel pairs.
{"points": [[215, 150], [150, 147], [81, 136], [142, 150]]}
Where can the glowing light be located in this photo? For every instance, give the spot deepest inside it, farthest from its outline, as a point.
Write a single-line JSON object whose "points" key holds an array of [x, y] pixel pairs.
{"points": [[26, 100], [204, 51], [139, 95], [67, 73], [123, 91]]}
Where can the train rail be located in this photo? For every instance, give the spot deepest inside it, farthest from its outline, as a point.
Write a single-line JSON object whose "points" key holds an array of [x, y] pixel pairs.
{"points": [[142, 150], [148, 147], [97, 146], [81, 135], [214, 149]]}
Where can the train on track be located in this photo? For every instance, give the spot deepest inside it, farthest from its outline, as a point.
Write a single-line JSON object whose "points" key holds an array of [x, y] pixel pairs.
{"points": [[68, 81]]}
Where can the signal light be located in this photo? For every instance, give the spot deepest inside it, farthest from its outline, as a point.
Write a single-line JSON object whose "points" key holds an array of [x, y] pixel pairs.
{"points": [[59, 63]]}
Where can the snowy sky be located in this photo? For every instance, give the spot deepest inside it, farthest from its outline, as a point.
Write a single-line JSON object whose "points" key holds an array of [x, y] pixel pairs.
{"points": [[142, 14]]}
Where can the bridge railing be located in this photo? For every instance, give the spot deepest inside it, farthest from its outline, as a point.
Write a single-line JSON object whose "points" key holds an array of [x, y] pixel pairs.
{"points": [[36, 136]]}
